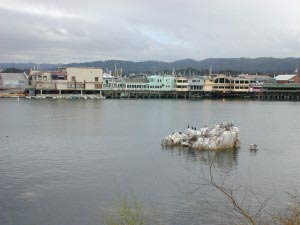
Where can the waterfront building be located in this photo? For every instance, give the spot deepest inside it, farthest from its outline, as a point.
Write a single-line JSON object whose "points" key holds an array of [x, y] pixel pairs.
{"points": [[66, 80], [223, 83], [284, 91], [13, 82], [109, 82], [181, 84], [285, 87], [39, 75], [241, 84], [133, 84], [83, 78], [161, 82], [208, 84], [195, 83]]}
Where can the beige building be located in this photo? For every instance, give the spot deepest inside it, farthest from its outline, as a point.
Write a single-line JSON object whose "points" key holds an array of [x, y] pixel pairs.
{"points": [[181, 84], [208, 84], [241, 84], [223, 83], [67, 79], [40, 79], [83, 78]]}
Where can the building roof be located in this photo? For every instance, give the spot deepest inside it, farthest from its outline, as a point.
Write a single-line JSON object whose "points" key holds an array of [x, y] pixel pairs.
{"points": [[258, 77], [39, 72], [109, 76], [284, 77], [136, 80], [195, 77], [286, 86], [161, 75], [181, 78], [13, 76]]}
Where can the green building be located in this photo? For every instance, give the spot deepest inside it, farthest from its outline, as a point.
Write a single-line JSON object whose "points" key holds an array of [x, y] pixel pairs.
{"points": [[161, 82]]}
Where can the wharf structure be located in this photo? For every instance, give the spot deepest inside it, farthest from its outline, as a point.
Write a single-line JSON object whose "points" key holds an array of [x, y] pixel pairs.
{"points": [[167, 86], [66, 81], [263, 87], [82, 82]]}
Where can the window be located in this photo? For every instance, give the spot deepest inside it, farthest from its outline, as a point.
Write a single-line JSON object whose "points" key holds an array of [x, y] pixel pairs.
{"points": [[40, 78], [73, 78], [96, 79], [98, 86], [44, 78], [79, 85]]}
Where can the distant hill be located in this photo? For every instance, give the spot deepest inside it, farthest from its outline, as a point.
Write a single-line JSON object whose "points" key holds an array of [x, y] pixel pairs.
{"points": [[250, 65]]}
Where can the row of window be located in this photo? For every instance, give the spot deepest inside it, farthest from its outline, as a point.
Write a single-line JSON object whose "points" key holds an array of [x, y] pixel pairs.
{"points": [[222, 87], [39, 78], [181, 86], [196, 81], [181, 81], [98, 86], [241, 81], [73, 78], [226, 81], [146, 86], [72, 85], [81, 86], [231, 87], [137, 86], [196, 87], [239, 87]]}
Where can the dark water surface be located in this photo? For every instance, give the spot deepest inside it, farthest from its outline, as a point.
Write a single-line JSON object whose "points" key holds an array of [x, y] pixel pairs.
{"points": [[64, 162]]}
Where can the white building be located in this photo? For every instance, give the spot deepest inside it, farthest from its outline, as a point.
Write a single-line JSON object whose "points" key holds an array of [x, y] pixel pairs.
{"points": [[13, 81]]}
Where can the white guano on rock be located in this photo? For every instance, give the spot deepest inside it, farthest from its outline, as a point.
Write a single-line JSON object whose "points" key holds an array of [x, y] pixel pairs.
{"points": [[219, 137]]}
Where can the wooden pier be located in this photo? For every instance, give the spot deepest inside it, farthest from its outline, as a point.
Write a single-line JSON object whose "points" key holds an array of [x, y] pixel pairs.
{"points": [[134, 94], [277, 92]]}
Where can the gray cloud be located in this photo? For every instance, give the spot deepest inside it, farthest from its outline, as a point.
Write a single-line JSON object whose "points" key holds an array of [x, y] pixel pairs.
{"points": [[72, 31]]}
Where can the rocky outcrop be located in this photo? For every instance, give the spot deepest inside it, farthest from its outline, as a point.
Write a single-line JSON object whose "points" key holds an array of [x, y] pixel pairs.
{"points": [[219, 137]]}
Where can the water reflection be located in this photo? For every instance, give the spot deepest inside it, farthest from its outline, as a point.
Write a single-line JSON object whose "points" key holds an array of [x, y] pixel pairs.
{"points": [[253, 152], [222, 159]]}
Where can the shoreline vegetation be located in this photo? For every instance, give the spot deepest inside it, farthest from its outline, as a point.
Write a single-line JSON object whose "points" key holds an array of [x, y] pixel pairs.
{"points": [[236, 204]]}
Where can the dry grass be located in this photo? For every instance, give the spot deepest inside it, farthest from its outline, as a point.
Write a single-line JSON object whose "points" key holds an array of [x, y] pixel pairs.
{"points": [[131, 211]]}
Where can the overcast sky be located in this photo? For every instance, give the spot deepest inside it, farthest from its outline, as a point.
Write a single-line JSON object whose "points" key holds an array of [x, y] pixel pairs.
{"points": [[75, 31]]}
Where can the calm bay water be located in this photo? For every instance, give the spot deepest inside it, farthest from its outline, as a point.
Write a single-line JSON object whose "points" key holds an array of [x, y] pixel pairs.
{"points": [[64, 162]]}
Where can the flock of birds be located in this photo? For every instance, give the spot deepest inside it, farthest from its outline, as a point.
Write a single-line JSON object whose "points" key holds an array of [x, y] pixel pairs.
{"points": [[253, 147]]}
